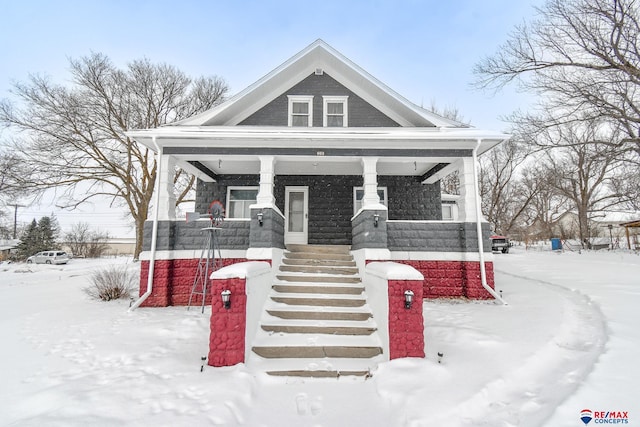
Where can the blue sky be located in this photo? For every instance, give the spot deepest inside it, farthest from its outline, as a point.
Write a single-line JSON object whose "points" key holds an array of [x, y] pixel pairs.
{"points": [[424, 50]]}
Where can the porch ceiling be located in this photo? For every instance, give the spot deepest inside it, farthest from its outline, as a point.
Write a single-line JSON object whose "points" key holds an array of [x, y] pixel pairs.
{"points": [[311, 165]]}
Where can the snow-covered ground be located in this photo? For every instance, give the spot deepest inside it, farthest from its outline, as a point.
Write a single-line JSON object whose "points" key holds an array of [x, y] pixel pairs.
{"points": [[568, 340]]}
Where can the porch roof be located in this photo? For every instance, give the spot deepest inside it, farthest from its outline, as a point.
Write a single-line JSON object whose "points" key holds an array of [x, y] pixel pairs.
{"points": [[417, 151]]}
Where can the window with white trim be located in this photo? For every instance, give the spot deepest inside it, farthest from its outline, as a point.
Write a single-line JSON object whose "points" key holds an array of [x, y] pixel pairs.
{"points": [[238, 201], [335, 111], [358, 194], [447, 211], [300, 110]]}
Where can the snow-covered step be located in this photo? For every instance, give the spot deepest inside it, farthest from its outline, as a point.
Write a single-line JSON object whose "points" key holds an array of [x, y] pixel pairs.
{"points": [[306, 288], [332, 330], [327, 249], [317, 322], [303, 352], [364, 322], [334, 314], [346, 262], [333, 269], [318, 256], [300, 277], [318, 340], [318, 367], [319, 300]]}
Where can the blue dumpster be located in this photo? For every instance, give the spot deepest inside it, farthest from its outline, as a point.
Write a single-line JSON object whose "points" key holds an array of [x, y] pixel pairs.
{"points": [[556, 244]]}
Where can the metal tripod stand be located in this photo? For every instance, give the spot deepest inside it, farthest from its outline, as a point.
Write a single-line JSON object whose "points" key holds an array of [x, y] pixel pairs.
{"points": [[210, 261]]}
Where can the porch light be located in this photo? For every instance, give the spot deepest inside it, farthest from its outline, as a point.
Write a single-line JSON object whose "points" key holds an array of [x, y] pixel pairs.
{"points": [[226, 299], [440, 355], [260, 218], [376, 219], [408, 298]]}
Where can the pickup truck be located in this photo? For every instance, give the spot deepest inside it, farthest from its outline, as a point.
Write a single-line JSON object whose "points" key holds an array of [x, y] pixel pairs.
{"points": [[500, 244]]}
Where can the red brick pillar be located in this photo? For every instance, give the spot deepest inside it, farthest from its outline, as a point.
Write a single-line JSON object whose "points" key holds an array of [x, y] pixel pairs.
{"points": [[406, 326], [226, 341]]}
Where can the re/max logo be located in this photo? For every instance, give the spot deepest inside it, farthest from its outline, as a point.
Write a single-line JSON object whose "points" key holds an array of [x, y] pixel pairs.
{"points": [[613, 414]]}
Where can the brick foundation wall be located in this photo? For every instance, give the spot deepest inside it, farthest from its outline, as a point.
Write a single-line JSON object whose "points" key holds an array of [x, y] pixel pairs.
{"points": [[226, 340], [172, 282], [406, 326], [455, 279]]}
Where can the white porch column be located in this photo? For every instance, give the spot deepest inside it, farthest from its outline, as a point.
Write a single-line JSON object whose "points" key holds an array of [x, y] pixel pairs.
{"points": [[370, 175], [467, 207], [167, 197], [265, 197]]}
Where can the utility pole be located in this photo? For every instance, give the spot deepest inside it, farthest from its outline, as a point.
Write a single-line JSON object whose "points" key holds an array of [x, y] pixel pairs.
{"points": [[15, 219]]}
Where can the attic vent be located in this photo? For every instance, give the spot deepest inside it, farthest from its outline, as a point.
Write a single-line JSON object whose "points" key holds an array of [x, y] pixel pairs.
{"points": [[319, 71]]}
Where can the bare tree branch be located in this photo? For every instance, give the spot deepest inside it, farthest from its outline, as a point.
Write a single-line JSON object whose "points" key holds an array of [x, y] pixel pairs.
{"points": [[76, 134]]}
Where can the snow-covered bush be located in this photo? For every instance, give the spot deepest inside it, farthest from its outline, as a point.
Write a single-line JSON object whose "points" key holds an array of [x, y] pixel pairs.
{"points": [[111, 283]]}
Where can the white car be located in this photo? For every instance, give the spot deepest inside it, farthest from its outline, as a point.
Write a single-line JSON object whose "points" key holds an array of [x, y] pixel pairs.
{"points": [[49, 257]]}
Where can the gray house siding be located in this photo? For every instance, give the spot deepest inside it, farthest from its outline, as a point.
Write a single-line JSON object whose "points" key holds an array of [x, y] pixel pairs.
{"points": [[330, 205], [436, 237], [331, 200], [409, 199], [360, 113], [207, 192], [180, 235]]}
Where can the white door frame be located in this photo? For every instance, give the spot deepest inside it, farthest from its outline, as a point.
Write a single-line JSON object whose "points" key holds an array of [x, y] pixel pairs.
{"points": [[296, 237]]}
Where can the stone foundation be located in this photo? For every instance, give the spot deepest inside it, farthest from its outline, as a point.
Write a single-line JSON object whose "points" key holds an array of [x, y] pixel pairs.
{"points": [[172, 282], [457, 279]]}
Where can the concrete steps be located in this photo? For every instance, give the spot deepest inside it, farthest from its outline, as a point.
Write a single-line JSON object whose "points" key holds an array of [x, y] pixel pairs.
{"points": [[316, 321], [318, 262], [318, 278], [327, 269], [320, 315], [332, 330], [317, 289]]}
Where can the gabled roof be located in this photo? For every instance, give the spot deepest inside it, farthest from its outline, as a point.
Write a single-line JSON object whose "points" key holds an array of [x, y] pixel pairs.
{"points": [[319, 55]]}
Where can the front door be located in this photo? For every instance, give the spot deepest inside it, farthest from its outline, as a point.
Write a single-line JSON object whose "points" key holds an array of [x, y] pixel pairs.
{"points": [[296, 208]]}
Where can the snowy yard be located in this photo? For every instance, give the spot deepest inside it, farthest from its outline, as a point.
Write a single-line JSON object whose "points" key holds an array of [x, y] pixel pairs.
{"points": [[567, 341]]}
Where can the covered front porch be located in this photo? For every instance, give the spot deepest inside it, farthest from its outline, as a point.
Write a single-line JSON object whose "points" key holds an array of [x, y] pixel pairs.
{"points": [[375, 190], [318, 186]]}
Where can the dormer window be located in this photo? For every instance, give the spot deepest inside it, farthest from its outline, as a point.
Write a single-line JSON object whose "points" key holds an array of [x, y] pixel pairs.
{"points": [[335, 111], [300, 110]]}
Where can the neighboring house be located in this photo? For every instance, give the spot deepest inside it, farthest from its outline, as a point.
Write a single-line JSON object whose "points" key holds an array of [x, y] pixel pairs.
{"points": [[120, 246], [606, 229], [6, 247], [320, 152]]}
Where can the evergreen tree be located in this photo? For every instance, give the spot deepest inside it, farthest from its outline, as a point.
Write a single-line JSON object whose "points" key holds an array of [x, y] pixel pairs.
{"points": [[28, 240], [39, 236], [48, 231]]}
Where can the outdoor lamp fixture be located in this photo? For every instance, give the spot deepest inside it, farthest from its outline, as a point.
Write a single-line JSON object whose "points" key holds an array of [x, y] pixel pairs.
{"points": [[376, 218], [408, 298], [226, 299], [440, 357], [260, 218]]}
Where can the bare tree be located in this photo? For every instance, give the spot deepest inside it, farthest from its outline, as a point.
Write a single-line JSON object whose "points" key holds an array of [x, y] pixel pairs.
{"points": [[10, 171], [582, 57], [585, 169], [76, 134], [85, 242], [504, 198]]}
